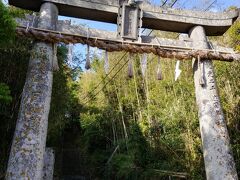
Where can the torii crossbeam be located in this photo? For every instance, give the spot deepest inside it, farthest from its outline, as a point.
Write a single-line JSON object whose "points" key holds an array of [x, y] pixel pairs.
{"points": [[26, 158], [153, 17]]}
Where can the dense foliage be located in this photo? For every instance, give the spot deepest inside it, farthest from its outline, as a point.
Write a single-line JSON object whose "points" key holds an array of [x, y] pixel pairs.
{"points": [[7, 30], [235, 34], [4, 93], [139, 128], [153, 122]]}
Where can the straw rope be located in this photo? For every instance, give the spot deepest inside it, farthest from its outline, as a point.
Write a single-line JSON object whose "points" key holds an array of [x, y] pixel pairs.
{"points": [[165, 52]]}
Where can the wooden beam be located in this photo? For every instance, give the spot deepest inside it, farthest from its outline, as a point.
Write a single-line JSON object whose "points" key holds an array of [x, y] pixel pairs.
{"points": [[181, 175], [153, 17]]}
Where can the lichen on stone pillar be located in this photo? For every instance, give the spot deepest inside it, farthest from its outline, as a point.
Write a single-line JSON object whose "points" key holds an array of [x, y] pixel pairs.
{"points": [[28, 146]]}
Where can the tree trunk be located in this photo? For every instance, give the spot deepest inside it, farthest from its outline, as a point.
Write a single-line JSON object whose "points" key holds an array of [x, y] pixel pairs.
{"points": [[219, 162], [28, 147]]}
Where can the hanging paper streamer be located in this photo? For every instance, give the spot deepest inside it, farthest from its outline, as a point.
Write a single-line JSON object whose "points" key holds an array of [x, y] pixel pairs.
{"points": [[130, 65], [201, 68], [143, 63], [177, 70], [131, 2], [106, 62], [70, 54], [55, 60], [159, 70], [88, 63], [33, 21]]}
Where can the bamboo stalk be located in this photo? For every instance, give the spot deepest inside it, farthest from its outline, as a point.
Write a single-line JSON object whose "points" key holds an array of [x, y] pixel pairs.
{"points": [[110, 158], [172, 173]]}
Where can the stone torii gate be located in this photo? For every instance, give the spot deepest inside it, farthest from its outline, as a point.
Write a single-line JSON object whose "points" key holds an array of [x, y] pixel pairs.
{"points": [[28, 147]]}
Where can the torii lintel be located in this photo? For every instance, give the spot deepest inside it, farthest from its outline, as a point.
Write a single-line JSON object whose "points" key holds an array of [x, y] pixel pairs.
{"points": [[153, 17]]}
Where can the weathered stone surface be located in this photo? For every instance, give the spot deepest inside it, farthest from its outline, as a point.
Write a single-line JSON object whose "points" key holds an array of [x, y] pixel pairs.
{"points": [[48, 166], [28, 147], [219, 162]]}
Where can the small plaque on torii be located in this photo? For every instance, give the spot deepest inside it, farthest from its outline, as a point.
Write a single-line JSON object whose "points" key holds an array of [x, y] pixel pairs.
{"points": [[129, 22]]}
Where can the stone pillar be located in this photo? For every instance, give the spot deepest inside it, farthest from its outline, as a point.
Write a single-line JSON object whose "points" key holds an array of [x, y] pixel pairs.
{"points": [[28, 147], [48, 166], [218, 159]]}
